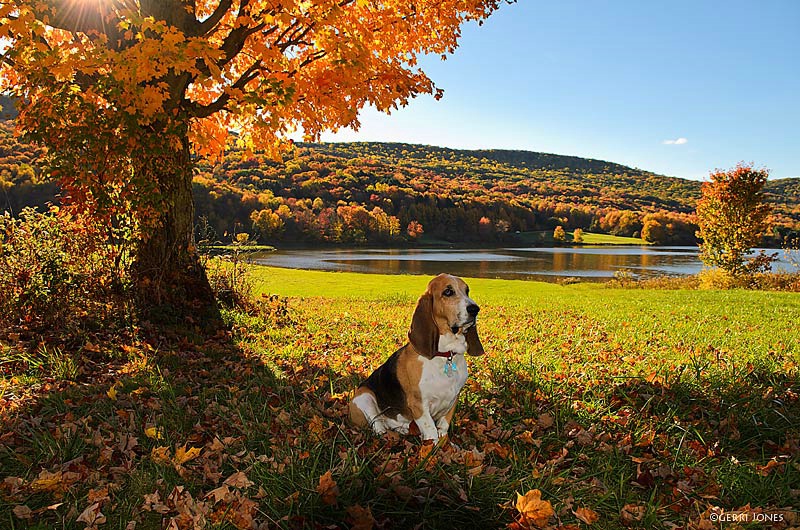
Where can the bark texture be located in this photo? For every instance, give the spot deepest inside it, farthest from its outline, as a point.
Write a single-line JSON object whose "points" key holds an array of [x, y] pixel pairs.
{"points": [[167, 268]]}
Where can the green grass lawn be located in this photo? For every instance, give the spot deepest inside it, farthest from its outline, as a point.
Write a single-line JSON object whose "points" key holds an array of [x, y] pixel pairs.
{"points": [[589, 238], [649, 408]]}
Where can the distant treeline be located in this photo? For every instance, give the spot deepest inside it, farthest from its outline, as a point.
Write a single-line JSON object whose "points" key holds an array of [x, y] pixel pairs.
{"points": [[377, 193]]}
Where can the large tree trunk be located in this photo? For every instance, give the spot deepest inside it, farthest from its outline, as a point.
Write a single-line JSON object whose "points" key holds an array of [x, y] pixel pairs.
{"points": [[168, 273]]}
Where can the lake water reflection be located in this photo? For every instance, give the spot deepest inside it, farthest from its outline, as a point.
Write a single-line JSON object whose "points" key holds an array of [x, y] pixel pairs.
{"points": [[589, 263]]}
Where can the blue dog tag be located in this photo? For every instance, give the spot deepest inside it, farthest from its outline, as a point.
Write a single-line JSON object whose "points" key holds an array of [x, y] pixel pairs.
{"points": [[450, 367]]}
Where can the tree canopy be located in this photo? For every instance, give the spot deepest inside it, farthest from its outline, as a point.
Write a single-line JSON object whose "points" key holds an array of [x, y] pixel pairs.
{"points": [[123, 91], [262, 68], [732, 215]]}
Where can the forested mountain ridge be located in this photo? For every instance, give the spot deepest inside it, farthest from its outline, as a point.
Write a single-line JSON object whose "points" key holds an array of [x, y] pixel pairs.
{"points": [[381, 193], [478, 196], [526, 168]]}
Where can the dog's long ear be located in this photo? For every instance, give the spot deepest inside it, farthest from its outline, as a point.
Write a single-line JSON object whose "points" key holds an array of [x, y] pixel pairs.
{"points": [[474, 346], [423, 334]]}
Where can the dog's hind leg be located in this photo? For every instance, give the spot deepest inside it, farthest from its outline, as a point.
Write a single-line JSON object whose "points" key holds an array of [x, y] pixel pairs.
{"points": [[364, 411]]}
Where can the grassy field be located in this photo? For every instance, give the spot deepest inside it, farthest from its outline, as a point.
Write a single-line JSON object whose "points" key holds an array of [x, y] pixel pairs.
{"points": [[607, 239], [644, 408], [589, 238]]}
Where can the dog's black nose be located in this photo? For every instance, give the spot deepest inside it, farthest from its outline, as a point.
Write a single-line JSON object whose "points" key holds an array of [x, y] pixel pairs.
{"points": [[473, 309]]}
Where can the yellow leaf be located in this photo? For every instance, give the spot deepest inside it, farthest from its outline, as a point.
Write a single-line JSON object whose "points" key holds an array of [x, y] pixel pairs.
{"points": [[182, 455], [46, 481], [155, 433], [112, 393], [533, 509], [161, 455]]}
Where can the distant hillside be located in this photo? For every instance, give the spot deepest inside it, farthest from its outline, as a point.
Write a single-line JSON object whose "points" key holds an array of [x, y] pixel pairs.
{"points": [[524, 170], [472, 196], [7, 109], [378, 193]]}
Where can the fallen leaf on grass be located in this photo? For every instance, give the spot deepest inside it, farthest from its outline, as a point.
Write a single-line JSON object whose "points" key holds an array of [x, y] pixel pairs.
{"points": [[533, 509], [242, 512], [155, 433], [362, 517], [219, 494], [46, 481], [527, 437], [292, 498], [183, 455], [161, 455], [545, 420], [99, 494], [22, 511], [587, 515], [12, 485], [770, 466], [328, 489], [152, 503], [317, 426], [92, 516], [631, 514], [239, 480]]}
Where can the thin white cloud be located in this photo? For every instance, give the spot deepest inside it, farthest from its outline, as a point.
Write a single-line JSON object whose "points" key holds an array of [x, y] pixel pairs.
{"points": [[676, 141]]}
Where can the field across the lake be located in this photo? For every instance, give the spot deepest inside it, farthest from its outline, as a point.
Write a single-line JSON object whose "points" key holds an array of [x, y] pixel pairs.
{"points": [[624, 408], [589, 238]]}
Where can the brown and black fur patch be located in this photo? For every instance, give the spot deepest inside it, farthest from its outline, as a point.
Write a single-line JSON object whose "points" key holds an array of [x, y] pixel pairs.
{"points": [[386, 387]]}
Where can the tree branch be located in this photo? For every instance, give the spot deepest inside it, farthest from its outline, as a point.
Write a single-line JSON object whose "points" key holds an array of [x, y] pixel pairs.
{"points": [[208, 25], [204, 111]]}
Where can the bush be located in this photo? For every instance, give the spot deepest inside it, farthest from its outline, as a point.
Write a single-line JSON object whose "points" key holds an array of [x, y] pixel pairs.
{"points": [[56, 273], [716, 278], [229, 277], [777, 281], [626, 280]]}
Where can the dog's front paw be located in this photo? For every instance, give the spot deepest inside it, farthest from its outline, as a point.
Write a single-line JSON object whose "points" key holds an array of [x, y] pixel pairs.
{"points": [[442, 426]]}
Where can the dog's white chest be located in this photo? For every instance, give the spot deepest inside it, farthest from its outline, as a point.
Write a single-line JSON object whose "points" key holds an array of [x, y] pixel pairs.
{"points": [[439, 387]]}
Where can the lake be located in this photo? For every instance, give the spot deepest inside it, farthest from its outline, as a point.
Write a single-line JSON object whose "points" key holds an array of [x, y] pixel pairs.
{"points": [[589, 263]]}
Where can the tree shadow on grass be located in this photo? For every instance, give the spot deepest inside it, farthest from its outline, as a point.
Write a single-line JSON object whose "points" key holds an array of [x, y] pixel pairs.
{"points": [[678, 445], [217, 432], [233, 432]]}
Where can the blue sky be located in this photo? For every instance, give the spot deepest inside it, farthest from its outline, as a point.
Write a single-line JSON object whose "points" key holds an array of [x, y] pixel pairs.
{"points": [[615, 80]]}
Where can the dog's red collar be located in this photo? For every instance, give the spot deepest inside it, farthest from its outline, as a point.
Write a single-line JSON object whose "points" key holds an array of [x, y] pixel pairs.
{"points": [[448, 354]]}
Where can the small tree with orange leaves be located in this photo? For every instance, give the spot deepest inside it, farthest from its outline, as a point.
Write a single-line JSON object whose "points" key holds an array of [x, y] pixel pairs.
{"points": [[732, 216], [125, 92], [414, 229]]}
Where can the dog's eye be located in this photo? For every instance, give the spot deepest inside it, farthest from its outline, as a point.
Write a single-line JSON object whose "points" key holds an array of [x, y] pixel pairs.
{"points": [[449, 292]]}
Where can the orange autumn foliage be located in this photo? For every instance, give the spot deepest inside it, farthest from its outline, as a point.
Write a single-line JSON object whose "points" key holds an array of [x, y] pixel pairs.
{"points": [[534, 512], [328, 489], [122, 93], [261, 68]]}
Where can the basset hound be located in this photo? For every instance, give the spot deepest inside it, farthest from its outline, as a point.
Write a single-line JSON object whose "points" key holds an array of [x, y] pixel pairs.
{"points": [[419, 384]]}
